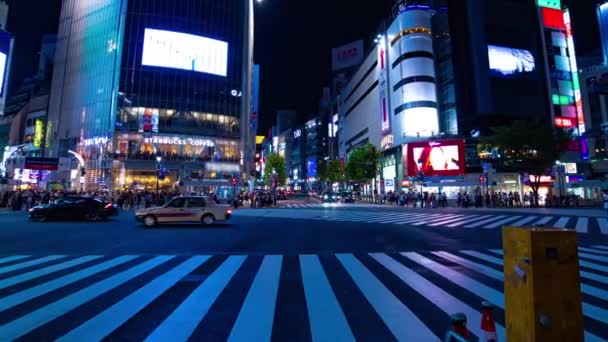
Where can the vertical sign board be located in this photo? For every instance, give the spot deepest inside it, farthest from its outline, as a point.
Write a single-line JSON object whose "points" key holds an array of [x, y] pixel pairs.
{"points": [[255, 97], [383, 87], [38, 133], [578, 101]]}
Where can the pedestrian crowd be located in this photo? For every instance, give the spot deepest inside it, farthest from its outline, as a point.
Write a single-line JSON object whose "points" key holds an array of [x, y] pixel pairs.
{"points": [[477, 199]]}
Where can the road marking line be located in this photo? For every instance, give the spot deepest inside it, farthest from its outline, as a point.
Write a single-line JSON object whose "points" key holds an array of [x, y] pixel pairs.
{"points": [[255, 319], [523, 221], [582, 225], [327, 320], [102, 325], [458, 224], [590, 310], [439, 297], [501, 222], [39, 290], [397, 219], [543, 221], [180, 325], [592, 250], [452, 220], [562, 222], [584, 274], [402, 322], [13, 258], [593, 257], [480, 223], [603, 224], [485, 257], [473, 286], [410, 220], [437, 219], [23, 325], [483, 269], [29, 263], [4, 283], [601, 247]]}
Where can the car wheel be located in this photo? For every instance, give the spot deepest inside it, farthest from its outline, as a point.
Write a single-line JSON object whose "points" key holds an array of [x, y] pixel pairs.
{"points": [[92, 216], [150, 221], [39, 218], [208, 220]]}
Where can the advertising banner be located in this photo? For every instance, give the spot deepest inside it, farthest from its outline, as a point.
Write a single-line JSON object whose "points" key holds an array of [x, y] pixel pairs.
{"points": [[38, 133], [436, 158], [48, 164], [346, 56], [383, 89]]}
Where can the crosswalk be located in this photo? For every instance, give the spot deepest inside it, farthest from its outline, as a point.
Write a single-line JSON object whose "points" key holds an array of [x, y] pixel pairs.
{"points": [[328, 205], [405, 296], [435, 219]]}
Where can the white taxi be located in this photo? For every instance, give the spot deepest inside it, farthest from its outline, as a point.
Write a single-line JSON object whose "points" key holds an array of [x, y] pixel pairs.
{"points": [[185, 210]]}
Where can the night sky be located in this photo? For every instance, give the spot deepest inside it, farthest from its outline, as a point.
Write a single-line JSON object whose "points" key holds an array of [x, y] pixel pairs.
{"points": [[293, 43]]}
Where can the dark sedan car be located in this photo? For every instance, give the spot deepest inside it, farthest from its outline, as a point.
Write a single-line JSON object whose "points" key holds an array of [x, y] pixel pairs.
{"points": [[74, 208]]}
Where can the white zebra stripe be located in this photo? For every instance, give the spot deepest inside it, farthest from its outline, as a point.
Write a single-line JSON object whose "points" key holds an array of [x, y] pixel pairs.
{"points": [[402, 322], [183, 320]]}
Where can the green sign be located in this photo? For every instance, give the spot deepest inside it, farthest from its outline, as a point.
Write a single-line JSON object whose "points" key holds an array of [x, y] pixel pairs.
{"points": [[556, 4]]}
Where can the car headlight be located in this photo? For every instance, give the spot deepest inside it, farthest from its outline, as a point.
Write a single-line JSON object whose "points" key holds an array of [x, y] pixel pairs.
{"points": [[32, 209], [325, 197]]}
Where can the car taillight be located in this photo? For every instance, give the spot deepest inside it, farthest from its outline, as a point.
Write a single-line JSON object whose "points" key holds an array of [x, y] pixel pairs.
{"points": [[229, 211], [109, 205]]}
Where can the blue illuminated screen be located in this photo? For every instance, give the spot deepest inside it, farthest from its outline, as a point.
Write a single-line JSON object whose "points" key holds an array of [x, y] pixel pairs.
{"points": [[184, 51], [506, 61], [2, 69]]}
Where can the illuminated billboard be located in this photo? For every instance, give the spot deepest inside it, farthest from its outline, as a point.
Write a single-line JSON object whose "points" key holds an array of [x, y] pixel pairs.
{"points": [[184, 51], [2, 69], [435, 158], [506, 61]]}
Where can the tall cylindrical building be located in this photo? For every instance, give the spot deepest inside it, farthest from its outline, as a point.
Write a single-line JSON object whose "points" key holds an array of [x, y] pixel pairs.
{"points": [[411, 66]]}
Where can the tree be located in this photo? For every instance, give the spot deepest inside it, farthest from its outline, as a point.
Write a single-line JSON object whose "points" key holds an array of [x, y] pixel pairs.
{"points": [[529, 146], [362, 163], [334, 171], [274, 164], [330, 171]]}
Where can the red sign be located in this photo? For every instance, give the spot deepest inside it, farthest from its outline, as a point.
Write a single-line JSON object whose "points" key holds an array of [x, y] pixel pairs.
{"points": [[44, 164], [435, 158], [553, 18], [564, 122]]}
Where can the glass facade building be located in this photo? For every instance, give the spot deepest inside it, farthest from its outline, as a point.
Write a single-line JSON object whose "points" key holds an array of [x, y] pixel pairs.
{"points": [[135, 79]]}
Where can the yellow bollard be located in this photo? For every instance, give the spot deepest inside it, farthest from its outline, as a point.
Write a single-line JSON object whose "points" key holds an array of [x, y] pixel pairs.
{"points": [[542, 285]]}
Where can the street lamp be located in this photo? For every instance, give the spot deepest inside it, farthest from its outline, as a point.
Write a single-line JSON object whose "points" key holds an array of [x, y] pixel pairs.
{"points": [[158, 160]]}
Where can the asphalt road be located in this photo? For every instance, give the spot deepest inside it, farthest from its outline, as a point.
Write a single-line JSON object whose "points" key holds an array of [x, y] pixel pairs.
{"points": [[322, 272]]}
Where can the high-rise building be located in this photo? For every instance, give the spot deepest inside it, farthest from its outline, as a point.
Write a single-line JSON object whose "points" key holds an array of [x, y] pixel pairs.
{"points": [[452, 69], [141, 85]]}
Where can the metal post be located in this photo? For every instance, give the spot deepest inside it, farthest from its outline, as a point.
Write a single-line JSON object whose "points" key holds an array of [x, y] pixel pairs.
{"points": [[157, 177]]}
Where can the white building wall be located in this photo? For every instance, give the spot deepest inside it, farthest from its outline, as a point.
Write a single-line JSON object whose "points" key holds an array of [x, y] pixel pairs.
{"points": [[412, 77], [363, 121]]}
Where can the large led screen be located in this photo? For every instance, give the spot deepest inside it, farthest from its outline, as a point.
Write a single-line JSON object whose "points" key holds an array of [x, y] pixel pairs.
{"points": [[506, 61], [2, 69], [185, 51], [436, 158]]}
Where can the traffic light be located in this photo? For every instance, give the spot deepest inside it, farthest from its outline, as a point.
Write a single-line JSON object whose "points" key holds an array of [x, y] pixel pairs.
{"points": [[482, 179], [233, 181]]}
